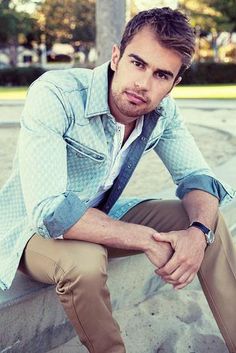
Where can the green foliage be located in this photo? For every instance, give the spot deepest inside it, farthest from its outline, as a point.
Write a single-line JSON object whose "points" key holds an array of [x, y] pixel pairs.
{"points": [[19, 76], [227, 8], [219, 15], [68, 20], [204, 73], [13, 23]]}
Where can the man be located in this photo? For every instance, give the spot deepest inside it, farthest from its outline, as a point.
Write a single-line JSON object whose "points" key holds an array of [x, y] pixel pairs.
{"points": [[82, 134]]}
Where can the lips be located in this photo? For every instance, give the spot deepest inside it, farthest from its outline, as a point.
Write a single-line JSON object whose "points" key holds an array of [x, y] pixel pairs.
{"points": [[135, 98]]}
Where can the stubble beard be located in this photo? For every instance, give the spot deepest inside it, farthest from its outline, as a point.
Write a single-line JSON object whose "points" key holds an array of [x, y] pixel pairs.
{"points": [[127, 108]]}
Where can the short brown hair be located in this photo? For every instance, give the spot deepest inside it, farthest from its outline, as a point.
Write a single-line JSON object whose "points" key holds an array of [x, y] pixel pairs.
{"points": [[171, 27]]}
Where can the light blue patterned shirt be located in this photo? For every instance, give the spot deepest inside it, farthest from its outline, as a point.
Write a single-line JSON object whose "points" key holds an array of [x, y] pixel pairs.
{"points": [[63, 157]]}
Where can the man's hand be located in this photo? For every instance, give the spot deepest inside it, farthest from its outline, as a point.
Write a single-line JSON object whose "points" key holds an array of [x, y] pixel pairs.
{"points": [[159, 253], [188, 246]]}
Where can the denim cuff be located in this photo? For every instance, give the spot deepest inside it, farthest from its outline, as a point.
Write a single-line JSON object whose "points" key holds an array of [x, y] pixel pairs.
{"points": [[67, 213], [201, 182]]}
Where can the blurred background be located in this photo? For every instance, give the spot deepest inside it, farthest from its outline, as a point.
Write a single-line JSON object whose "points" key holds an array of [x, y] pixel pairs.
{"points": [[40, 35]]}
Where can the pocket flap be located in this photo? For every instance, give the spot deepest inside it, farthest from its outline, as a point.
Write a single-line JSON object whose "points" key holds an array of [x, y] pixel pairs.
{"points": [[84, 150]]}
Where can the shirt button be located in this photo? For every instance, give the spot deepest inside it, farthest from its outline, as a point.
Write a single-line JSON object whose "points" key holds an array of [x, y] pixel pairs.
{"points": [[129, 165], [143, 138]]}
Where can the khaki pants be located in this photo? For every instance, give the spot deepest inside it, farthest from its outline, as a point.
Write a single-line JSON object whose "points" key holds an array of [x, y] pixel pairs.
{"points": [[79, 270]]}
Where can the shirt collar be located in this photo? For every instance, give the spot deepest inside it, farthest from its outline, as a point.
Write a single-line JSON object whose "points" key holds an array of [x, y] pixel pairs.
{"points": [[97, 99]]}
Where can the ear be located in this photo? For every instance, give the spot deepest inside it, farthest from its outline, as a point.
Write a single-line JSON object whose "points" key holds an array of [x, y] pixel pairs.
{"points": [[115, 57], [179, 79], [175, 84]]}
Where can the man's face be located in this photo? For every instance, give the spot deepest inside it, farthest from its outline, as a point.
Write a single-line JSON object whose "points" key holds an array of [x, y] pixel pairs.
{"points": [[143, 76]]}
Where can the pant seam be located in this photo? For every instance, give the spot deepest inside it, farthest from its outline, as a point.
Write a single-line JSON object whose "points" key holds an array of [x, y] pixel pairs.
{"points": [[74, 306]]}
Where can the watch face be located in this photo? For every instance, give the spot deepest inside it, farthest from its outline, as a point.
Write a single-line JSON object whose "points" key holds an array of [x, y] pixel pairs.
{"points": [[210, 237]]}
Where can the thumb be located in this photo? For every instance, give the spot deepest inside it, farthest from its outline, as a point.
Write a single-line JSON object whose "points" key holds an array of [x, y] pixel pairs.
{"points": [[165, 237]]}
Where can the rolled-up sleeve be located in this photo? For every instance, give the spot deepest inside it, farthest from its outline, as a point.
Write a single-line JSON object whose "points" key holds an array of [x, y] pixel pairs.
{"points": [[201, 182], [182, 157], [51, 208]]}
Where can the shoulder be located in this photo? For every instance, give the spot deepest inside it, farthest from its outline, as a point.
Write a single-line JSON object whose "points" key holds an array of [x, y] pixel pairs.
{"points": [[60, 90], [67, 81]]}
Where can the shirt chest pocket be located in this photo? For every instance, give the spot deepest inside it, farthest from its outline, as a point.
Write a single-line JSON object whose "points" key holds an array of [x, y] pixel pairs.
{"points": [[82, 151], [152, 144], [85, 167]]}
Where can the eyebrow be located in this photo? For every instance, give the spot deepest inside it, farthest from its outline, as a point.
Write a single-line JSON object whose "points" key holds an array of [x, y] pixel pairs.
{"points": [[162, 71]]}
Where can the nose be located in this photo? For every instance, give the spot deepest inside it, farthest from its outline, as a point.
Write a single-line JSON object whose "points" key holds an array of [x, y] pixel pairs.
{"points": [[143, 82]]}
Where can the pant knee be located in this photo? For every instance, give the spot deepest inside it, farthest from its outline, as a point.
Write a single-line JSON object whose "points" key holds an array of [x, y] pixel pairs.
{"points": [[89, 281], [89, 273]]}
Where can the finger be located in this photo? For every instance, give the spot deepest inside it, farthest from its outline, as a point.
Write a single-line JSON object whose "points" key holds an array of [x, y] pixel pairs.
{"points": [[169, 281], [179, 281], [170, 267], [164, 237], [161, 237], [188, 281], [177, 274]]}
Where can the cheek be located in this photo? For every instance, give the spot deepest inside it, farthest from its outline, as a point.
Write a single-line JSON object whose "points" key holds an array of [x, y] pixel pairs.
{"points": [[161, 89], [157, 96], [127, 77], [120, 79]]}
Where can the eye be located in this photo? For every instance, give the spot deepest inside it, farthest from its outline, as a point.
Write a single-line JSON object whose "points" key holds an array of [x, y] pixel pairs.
{"points": [[162, 75], [137, 63]]}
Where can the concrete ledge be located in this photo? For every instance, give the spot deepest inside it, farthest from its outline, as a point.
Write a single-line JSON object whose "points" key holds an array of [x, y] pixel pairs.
{"points": [[31, 318]]}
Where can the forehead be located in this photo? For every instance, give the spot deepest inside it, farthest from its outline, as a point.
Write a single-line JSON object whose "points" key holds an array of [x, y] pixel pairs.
{"points": [[145, 44]]}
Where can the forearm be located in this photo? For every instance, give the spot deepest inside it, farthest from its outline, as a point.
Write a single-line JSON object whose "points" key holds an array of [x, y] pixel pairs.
{"points": [[201, 206], [96, 227]]}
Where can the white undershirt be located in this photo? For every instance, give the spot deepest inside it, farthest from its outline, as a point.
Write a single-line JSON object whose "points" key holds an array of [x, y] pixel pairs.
{"points": [[118, 155]]}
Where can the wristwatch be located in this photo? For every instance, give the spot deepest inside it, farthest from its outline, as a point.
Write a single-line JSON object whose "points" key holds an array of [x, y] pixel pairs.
{"points": [[209, 234]]}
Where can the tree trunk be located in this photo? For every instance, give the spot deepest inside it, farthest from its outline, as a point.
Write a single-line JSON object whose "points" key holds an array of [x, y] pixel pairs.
{"points": [[110, 23], [13, 55]]}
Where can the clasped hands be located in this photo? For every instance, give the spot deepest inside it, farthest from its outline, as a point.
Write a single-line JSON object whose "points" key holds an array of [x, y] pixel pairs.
{"points": [[180, 255]]}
